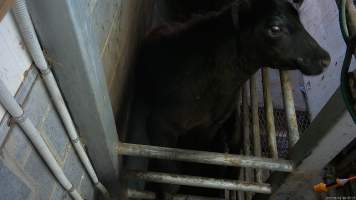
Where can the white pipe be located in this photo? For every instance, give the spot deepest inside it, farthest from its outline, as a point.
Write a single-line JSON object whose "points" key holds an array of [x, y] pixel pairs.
{"points": [[288, 100], [29, 35], [271, 129], [204, 157], [10, 104], [195, 181], [138, 194]]}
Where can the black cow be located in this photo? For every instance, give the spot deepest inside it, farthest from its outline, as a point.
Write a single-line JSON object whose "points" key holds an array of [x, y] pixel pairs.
{"points": [[190, 73]]}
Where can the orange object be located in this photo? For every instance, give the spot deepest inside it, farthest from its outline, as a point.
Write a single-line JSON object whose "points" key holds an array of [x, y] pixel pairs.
{"points": [[322, 187]]}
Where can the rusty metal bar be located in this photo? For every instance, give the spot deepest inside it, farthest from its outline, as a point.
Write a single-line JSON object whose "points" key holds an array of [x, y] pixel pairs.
{"points": [[255, 125], [271, 129], [199, 181], [293, 132], [204, 157]]}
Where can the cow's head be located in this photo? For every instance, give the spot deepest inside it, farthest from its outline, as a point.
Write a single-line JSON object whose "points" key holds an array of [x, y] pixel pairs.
{"points": [[273, 30]]}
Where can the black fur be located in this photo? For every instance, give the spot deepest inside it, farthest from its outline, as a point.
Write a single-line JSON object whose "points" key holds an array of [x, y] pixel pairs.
{"points": [[190, 73]]}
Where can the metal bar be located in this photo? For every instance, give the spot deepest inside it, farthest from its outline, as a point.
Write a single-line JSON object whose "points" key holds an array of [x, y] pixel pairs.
{"points": [[246, 132], [199, 181], [137, 194], [255, 124], [227, 195], [246, 121], [204, 157], [287, 90], [240, 194], [271, 129], [233, 195], [190, 197]]}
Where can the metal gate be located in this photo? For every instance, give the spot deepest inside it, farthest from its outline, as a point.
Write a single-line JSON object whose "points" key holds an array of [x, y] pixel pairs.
{"points": [[251, 163]]}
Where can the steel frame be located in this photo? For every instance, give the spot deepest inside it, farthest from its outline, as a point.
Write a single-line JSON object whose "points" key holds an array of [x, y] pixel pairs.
{"points": [[246, 189]]}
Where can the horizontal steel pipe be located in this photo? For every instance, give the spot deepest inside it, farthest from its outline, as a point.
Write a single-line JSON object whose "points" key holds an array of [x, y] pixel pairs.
{"points": [[199, 181], [138, 194], [204, 157], [190, 197]]}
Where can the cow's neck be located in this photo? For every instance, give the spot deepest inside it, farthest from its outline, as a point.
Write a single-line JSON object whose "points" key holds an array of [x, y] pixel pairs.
{"points": [[216, 30], [210, 30]]}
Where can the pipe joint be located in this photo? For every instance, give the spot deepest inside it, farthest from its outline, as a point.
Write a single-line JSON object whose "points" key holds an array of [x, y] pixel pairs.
{"points": [[76, 140], [45, 71], [71, 189], [20, 119]]}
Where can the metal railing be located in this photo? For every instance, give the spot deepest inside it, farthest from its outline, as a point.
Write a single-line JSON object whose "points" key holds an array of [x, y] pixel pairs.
{"points": [[251, 163], [204, 157]]}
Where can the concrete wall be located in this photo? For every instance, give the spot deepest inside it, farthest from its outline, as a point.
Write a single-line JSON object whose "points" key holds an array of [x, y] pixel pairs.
{"points": [[119, 32], [111, 32], [320, 18], [14, 60], [23, 174], [90, 44], [120, 26]]}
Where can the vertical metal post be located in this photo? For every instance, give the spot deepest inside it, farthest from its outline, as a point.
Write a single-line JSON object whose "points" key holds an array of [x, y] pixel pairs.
{"points": [[271, 129], [240, 194], [227, 195], [233, 195], [293, 132], [246, 132], [255, 124]]}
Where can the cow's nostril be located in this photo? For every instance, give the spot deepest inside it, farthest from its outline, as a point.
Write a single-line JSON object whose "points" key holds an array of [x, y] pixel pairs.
{"points": [[325, 62]]}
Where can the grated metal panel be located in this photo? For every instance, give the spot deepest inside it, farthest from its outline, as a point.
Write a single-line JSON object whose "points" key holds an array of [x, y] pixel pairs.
{"points": [[281, 129]]}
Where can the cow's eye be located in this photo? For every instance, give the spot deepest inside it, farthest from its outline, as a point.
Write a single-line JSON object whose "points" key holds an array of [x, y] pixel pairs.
{"points": [[275, 29]]}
